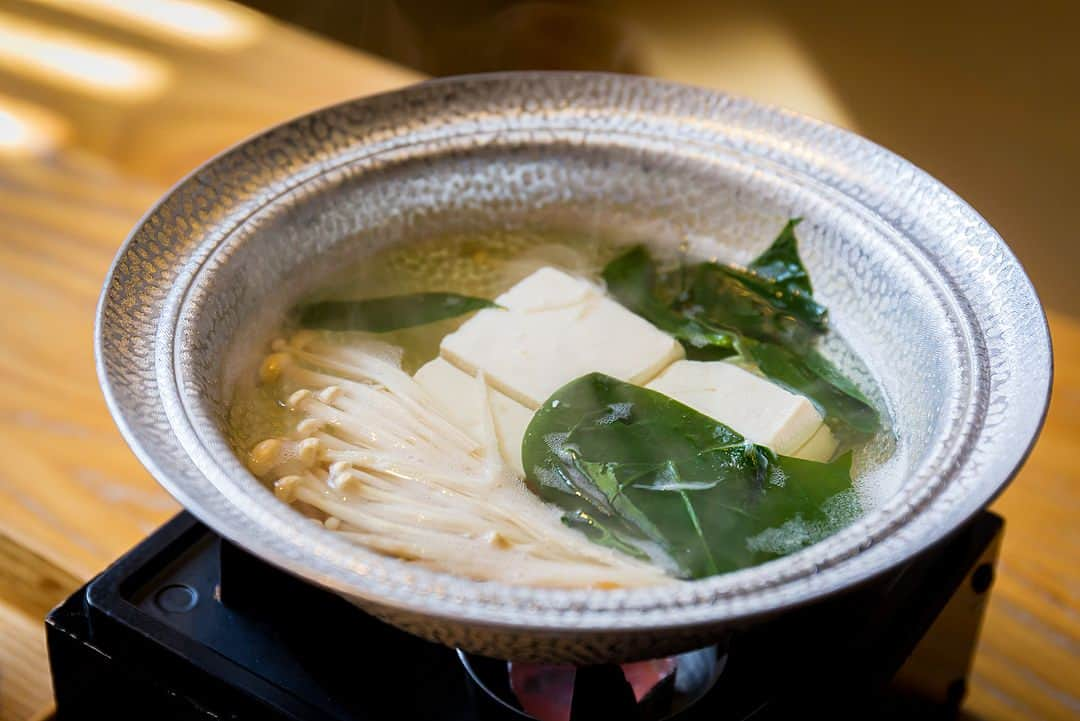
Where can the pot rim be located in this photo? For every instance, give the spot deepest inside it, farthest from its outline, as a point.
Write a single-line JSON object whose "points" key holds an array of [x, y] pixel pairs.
{"points": [[824, 569]]}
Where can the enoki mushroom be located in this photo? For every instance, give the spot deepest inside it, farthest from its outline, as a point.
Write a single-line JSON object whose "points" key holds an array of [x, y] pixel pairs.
{"points": [[376, 460]]}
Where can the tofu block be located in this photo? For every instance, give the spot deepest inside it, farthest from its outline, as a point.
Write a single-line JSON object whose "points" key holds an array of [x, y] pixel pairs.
{"points": [[551, 329], [820, 447], [547, 289], [760, 410], [460, 399]]}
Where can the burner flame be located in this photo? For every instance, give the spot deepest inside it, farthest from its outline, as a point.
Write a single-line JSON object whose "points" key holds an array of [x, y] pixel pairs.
{"points": [[546, 692]]}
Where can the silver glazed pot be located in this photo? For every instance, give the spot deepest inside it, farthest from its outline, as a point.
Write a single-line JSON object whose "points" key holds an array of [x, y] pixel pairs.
{"points": [[919, 285]]}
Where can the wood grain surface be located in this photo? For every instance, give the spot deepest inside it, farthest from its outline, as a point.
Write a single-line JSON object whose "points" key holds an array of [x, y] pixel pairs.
{"points": [[73, 497], [24, 671]]}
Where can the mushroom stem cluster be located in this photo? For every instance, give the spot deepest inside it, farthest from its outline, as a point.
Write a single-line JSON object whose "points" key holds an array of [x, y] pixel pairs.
{"points": [[378, 463]]}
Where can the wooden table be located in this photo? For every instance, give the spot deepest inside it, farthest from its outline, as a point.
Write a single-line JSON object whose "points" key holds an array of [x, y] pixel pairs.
{"points": [[73, 497]]}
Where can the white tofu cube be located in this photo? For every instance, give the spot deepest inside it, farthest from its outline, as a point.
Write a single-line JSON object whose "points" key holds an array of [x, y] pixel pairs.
{"points": [[760, 410], [460, 399], [547, 289], [552, 329], [820, 447]]}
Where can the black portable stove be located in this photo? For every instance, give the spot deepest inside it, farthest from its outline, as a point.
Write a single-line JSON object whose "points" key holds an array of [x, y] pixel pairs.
{"points": [[188, 626]]}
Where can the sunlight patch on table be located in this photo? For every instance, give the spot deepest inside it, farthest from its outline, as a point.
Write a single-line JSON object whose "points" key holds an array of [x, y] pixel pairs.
{"points": [[215, 25], [27, 129], [78, 62]]}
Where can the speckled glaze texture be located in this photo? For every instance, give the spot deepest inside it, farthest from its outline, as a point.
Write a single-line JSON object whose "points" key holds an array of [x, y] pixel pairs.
{"points": [[917, 282]]}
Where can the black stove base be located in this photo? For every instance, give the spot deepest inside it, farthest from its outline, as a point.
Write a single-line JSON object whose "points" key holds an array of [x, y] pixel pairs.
{"points": [[187, 626]]}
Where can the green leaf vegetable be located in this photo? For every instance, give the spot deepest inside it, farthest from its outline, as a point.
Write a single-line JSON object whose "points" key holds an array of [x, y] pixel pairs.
{"points": [[771, 300], [632, 280], [766, 314], [642, 473], [811, 374], [781, 264], [754, 306], [382, 315]]}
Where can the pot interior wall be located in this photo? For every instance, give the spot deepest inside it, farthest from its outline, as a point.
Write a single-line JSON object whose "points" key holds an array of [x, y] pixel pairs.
{"points": [[717, 205]]}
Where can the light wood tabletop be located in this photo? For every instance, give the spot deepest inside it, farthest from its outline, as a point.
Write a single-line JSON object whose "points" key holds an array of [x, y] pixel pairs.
{"points": [[90, 153]]}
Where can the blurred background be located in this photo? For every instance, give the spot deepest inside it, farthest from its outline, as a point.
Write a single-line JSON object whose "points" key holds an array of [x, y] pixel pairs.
{"points": [[984, 95], [105, 103]]}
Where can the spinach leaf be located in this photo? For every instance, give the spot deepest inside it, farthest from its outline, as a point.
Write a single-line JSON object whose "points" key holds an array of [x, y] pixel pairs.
{"points": [[766, 314], [614, 535], [728, 297], [632, 280], [781, 263], [771, 300], [381, 315], [843, 405], [643, 473]]}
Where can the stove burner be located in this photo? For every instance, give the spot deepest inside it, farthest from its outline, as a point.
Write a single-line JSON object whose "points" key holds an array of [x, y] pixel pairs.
{"points": [[643, 690], [188, 627]]}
